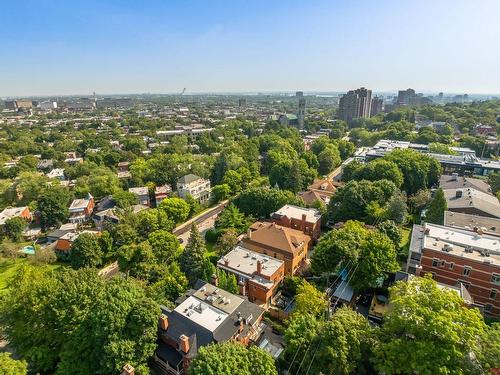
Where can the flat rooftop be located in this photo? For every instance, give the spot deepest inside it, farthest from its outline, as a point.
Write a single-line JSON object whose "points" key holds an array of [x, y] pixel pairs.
{"points": [[201, 313], [244, 262], [296, 212], [218, 298], [457, 241], [143, 190]]}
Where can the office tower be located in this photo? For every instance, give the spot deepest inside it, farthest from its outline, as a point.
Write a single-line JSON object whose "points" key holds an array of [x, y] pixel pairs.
{"points": [[406, 97], [299, 94], [355, 104], [242, 102]]}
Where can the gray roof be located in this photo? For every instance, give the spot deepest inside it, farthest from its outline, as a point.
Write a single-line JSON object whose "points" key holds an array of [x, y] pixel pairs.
{"points": [[187, 179], [461, 182], [488, 225], [472, 198]]}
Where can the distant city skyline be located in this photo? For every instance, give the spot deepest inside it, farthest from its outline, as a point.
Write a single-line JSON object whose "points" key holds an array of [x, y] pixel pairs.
{"points": [[53, 48]]}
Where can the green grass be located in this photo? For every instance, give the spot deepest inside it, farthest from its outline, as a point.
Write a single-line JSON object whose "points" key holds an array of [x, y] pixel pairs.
{"points": [[404, 244]]}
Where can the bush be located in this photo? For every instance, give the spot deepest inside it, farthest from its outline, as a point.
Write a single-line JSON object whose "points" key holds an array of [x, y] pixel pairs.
{"points": [[212, 235]]}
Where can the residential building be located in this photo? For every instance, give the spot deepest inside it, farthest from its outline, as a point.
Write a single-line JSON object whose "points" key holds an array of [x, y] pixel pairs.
{"points": [[203, 315], [307, 220], [57, 173], [286, 244], [162, 192], [465, 163], [355, 104], [454, 181], [10, 213], [197, 187], [377, 106], [65, 242], [142, 194], [485, 130], [472, 201], [112, 215], [56, 234], [456, 256], [81, 209], [487, 225], [320, 190], [123, 172], [258, 275]]}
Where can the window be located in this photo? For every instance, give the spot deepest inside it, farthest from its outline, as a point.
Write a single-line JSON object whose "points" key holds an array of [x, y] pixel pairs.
{"points": [[493, 294], [466, 284], [451, 265], [488, 307], [435, 262], [495, 278], [467, 270]]}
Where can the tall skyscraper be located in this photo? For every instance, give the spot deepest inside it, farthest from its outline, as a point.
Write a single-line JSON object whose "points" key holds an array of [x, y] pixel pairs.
{"points": [[355, 104], [377, 106]]}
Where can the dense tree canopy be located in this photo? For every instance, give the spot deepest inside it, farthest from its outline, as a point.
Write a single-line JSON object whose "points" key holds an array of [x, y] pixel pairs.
{"points": [[428, 330], [232, 359], [79, 323]]}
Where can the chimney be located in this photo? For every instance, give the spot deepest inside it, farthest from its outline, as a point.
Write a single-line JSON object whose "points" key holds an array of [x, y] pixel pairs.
{"points": [[164, 322], [259, 267], [242, 288], [128, 370], [304, 216], [226, 262], [249, 233], [184, 343], [215, 280]]}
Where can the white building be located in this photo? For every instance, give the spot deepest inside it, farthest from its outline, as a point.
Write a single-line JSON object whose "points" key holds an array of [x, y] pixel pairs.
{"points": [[197, 187]]}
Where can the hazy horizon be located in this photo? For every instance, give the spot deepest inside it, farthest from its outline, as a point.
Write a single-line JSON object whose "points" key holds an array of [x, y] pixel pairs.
{"points": [[116, 47]]}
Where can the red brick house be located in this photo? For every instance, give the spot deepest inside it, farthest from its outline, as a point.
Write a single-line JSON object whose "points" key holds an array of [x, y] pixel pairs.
{"points": [[455, 256], [307, 220]]}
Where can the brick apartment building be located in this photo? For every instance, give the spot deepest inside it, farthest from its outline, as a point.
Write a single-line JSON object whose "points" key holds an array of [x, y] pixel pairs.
{"points": [[258, 275], [307, 220], [456, 256], [286, 244]]}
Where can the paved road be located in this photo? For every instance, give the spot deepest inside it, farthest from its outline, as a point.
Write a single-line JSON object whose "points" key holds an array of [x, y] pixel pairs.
{"points": [[204, 221]]}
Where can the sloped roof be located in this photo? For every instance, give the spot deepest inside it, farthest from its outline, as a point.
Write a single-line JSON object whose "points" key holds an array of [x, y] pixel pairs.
{"points": [[325, 185], [472, 198], [270, 234], [187, 179]]}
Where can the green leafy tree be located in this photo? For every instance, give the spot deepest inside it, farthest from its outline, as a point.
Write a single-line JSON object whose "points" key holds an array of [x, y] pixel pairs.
{"points": [[427, 331], [124, 199], [170, 286], [165, 245], [391, 230], [226, 242], [343, 344], [261, 201], [230, 358], [233, 180], [148, 221], [53, 206], [232, 218], [377, 257], [328, 159], [220, 192], [309, 300], [361, 200], [396, 209], [338, 246], [419, 200], [10, 366], [379, 169], [419, 170], [488, 351], [232, 284], [85, 251], [176, 209], [192, 259], [194, 205], [437, 206], [14, 228], [74, 328]]}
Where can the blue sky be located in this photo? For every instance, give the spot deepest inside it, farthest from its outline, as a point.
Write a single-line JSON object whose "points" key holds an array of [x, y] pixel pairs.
{"points": [[66, 47]]}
